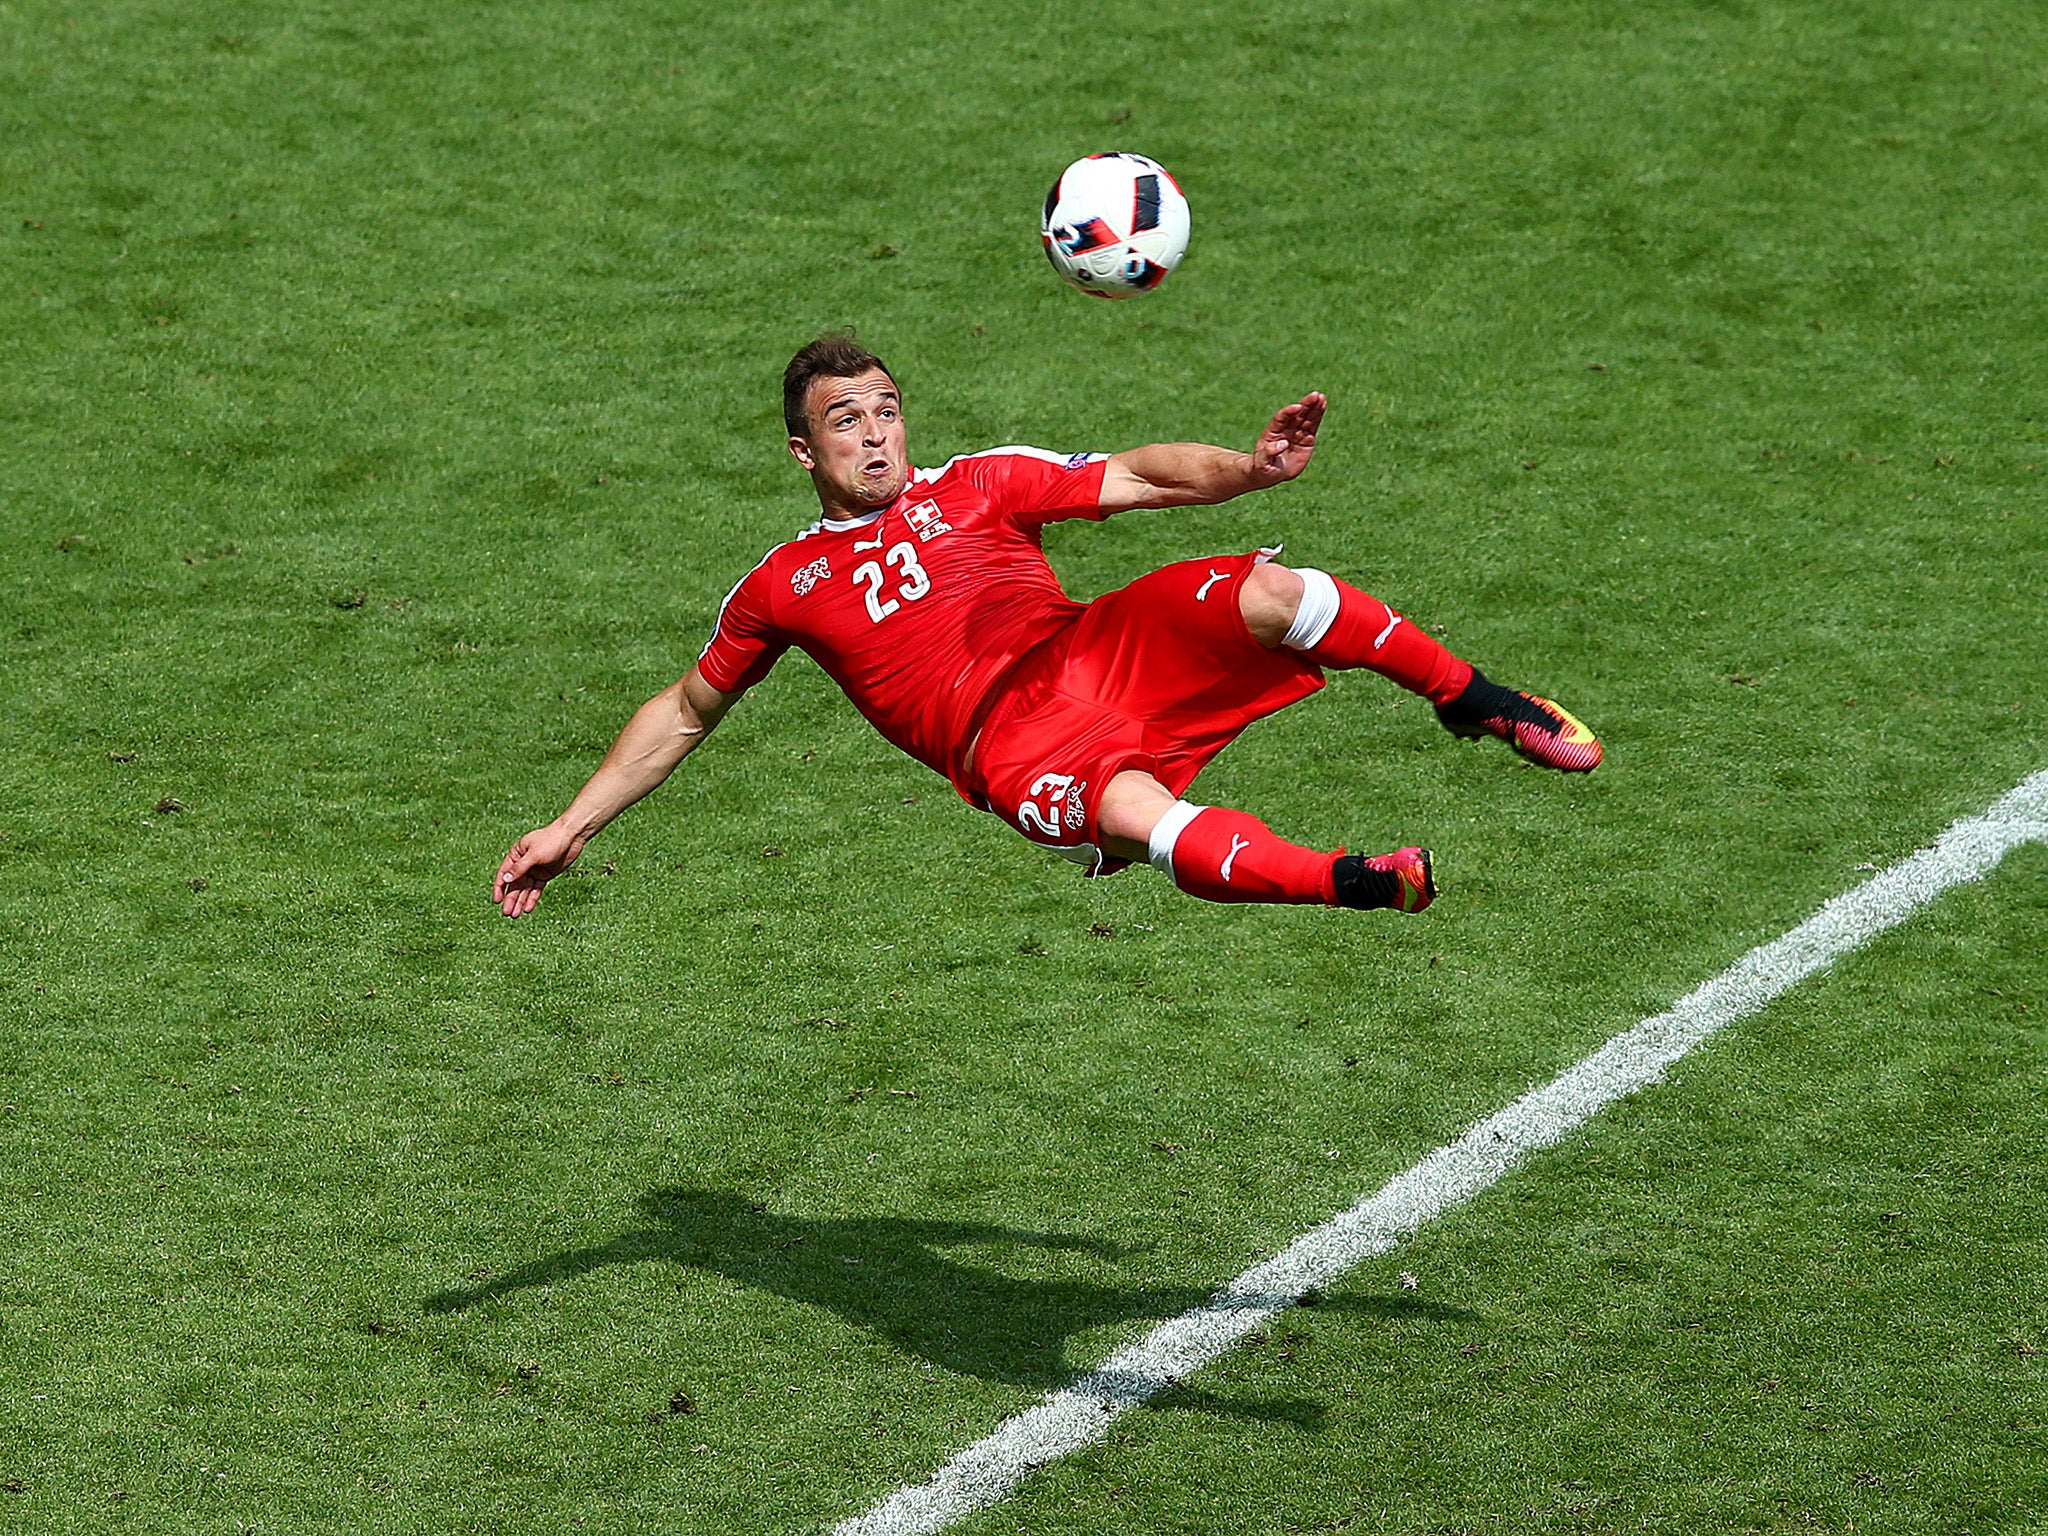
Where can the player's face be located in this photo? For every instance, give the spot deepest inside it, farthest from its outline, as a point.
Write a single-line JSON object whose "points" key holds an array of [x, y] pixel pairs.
{"points": [[856, 449]]}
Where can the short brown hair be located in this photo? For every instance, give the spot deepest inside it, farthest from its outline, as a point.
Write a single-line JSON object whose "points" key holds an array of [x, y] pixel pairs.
{"points": [[834, 355]]}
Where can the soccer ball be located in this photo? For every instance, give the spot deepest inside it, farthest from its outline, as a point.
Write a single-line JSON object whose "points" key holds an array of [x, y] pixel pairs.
{"points": [[1115, 225]]}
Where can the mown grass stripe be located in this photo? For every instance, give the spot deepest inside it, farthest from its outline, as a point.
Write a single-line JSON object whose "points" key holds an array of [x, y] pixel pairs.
{"points": [[1076, 1415]]}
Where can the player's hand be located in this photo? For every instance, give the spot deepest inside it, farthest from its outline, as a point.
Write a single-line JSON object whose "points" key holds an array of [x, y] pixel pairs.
{"points": [[1283, 449], [534, 860]]}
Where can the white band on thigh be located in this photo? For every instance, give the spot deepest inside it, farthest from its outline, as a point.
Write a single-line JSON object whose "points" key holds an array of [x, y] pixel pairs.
{"points": [[1318, 610], [1166, 832]]}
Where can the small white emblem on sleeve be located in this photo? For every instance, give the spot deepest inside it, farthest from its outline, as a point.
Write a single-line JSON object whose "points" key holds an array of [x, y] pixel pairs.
{"points": [[807, 578]]}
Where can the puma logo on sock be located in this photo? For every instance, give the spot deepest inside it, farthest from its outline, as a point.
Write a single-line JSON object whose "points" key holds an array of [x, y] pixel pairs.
{"points": [[1393, 618], [1237, 845]]}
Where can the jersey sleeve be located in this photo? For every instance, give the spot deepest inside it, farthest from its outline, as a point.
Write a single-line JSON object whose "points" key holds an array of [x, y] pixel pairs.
{"points": [[1030, 485], [744, 642]]}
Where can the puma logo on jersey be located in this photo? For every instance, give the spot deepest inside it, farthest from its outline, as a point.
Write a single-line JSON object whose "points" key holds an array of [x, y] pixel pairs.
{"points": [[1393, 618], [1237, 846], [1203, 596], [818, 570]]}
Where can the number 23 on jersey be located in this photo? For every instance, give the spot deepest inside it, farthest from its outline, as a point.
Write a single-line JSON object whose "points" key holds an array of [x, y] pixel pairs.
{"points": [[913, 582]]}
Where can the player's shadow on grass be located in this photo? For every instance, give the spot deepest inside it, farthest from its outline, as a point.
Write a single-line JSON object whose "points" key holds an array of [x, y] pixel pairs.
{"points": [[893, 1276]]}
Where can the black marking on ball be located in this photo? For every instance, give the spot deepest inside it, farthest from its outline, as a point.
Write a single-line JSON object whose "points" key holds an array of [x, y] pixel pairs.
{"points": [[1145, 211]]}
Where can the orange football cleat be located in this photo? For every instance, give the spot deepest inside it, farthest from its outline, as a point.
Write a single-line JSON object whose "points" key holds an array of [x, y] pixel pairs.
{"points": [[1402, 880], [1536, 728]]}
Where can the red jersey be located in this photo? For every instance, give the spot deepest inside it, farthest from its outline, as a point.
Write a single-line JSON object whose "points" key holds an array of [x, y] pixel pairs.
{"points": [[919, 613]]}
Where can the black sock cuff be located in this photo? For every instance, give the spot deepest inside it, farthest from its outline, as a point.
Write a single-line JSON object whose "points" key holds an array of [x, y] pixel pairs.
{"points": [[1360, 886], [1482, 700]]}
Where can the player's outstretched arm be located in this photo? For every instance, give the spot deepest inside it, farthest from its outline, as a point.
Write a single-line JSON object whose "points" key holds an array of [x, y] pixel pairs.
{"points": [[1197, 475], [664, 731]]}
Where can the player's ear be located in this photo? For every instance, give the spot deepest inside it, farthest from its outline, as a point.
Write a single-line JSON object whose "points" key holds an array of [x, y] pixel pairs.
{"points": [[800, 450]]}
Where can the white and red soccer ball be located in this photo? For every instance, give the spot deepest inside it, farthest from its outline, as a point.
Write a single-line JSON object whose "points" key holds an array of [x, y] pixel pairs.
{"points": [[1115, 225]]}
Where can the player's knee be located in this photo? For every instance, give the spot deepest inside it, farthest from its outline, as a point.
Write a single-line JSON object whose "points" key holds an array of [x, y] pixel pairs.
{"points": [[1269, 598], [1131, 807]]}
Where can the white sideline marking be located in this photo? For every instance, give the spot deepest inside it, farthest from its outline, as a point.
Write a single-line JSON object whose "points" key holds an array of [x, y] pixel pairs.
{"points": [[1076, 1415]]}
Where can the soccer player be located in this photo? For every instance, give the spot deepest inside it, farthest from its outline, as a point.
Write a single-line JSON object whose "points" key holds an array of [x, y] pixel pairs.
{"points": [[925, 594]]}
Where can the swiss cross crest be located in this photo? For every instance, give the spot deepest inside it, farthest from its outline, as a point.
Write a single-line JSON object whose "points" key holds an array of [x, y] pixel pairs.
{"points": [[810, 575], [925, 521]]}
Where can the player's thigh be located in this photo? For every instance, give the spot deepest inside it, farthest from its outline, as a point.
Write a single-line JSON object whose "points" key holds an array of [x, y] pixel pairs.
{"points": [[1045, 764], [1169, 636]]}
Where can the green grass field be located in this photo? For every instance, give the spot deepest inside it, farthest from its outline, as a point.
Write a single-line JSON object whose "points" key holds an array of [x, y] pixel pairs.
{"points": [[389, 399]]}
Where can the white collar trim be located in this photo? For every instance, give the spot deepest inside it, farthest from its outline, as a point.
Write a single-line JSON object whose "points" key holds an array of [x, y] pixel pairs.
{"points": [[839, 525]]}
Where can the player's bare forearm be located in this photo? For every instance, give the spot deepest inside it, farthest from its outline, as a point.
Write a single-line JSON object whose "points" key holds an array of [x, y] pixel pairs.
{"points": [[1175, 475], [1200, 475], [663, 731]]}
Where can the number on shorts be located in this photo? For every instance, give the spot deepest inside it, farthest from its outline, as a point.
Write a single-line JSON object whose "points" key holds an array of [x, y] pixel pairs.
{"points": [[1037, 820]]}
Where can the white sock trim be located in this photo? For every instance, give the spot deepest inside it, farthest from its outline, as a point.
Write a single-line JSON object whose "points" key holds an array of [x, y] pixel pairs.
{"points": [[1318, 610], [1166, 832]]}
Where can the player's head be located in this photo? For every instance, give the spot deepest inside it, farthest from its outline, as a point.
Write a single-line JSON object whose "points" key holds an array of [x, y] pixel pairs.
{"points": [[845, 420]]}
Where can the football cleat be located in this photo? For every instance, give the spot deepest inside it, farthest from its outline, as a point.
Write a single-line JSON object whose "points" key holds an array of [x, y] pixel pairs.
{"points": [[1536, 728], [1402, 880]]}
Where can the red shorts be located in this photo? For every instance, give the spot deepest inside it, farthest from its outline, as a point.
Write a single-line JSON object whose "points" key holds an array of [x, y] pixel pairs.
{"points": [[1160, 676]]}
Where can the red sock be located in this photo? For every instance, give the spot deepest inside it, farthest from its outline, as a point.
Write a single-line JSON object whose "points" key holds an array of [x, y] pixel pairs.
{"points": [[1225, 855], [1367, 633]]}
